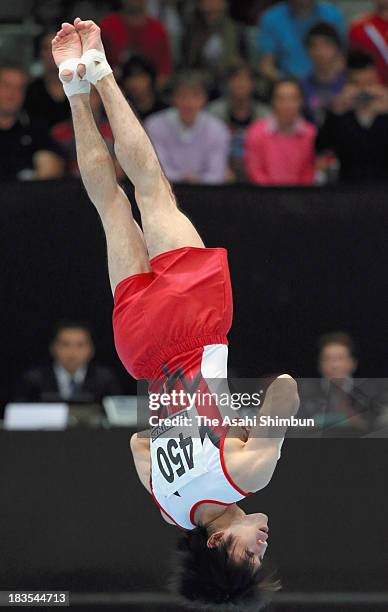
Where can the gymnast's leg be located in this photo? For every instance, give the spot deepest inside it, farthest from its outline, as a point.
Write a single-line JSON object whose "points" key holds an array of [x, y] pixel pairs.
{"points": [[127, 253], [165, 226]]}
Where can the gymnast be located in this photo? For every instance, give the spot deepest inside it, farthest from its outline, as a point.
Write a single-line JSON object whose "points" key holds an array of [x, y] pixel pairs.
{"points": [[172, 313]]}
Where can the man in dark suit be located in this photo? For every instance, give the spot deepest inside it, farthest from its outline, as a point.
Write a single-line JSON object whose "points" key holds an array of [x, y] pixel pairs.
{"points": [[72, 376], [337, 399]]}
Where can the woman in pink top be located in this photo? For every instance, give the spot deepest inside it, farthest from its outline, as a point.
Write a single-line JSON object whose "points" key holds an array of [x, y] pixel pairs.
{"points": [[279, 150]]}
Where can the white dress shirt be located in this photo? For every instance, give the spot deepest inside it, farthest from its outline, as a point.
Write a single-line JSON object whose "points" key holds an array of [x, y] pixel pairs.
{"points": [[65, 380]]}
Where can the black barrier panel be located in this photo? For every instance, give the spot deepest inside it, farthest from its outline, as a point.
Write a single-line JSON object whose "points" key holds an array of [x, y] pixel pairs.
{"points": [[302, 261], [73, 515]]}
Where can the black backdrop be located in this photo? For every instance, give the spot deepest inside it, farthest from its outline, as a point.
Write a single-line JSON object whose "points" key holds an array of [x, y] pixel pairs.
{"points": [[303, 262], [74, 516]]}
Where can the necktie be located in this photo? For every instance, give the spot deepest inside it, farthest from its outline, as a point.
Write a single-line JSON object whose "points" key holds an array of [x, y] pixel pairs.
{"points": [[73, 387]]}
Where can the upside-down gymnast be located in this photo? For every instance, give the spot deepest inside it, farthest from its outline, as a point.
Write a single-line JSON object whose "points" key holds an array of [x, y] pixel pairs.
{"points": [[172, 312]]}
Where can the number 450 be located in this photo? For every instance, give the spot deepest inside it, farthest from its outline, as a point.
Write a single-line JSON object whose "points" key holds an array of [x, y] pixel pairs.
{"points": [[175, 456]]}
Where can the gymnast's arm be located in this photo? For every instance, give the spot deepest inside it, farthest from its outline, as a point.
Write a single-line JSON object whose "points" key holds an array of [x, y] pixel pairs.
{"points": [[255, 460], [140, 447]]}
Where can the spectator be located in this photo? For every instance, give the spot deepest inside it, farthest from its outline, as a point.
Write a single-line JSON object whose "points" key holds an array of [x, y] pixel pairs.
{"points": [[86, 9], [138, 82], [72, 375], [26, 150], [370, 34], [133, 31], [282, 34], [45, 98], [337, 398], [213, 40], [357, 129], [192, 145], [280, 148], [328, 76], [63, 136], [249, 11], [167, 12], [238, 109]]}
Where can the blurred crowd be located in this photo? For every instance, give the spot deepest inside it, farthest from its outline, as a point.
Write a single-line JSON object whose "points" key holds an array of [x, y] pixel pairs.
{"points": [[275, 93]]}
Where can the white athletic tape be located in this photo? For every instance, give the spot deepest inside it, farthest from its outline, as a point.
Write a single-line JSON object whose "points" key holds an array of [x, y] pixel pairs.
{"points": [[96, 65], [76, 85]]}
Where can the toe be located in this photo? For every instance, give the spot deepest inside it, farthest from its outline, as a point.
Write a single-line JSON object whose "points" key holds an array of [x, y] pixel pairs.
{"points": [[68, 28]]}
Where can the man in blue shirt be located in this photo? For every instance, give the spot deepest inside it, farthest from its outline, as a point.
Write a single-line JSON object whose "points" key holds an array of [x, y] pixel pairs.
{"points": [[282, 33]]}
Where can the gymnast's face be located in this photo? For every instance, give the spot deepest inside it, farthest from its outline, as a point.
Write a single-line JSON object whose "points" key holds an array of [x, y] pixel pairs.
{"points": [[250, 537]]}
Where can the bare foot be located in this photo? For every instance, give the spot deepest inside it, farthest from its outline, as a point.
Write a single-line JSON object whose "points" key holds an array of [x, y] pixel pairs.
{"points": [[90, 35], [66, 45]]}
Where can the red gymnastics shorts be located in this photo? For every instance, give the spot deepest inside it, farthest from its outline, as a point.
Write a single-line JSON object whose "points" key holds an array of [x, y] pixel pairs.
{"points": [[161, 317]]}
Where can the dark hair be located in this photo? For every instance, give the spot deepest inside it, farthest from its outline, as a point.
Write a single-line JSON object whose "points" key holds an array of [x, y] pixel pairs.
{"points": [[237, 67], [194, 79], [210, 579], [339, 337], [138, 64], [325, 30], [359, 60], [70, 324], [285, 81], [13, 66]]}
